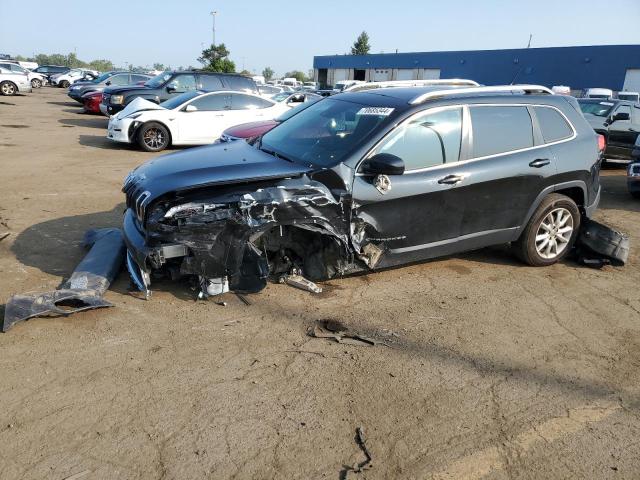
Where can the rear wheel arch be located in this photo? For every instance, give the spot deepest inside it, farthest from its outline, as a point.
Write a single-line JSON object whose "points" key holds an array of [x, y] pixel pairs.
{"points": [[575, 190]]}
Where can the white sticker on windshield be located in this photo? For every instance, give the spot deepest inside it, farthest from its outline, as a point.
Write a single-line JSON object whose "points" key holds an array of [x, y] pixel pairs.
{"points": [[608, 104], [381, 111]]}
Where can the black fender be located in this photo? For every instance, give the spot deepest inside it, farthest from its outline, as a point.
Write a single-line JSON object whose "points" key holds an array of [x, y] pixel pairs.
{"points": [[550, 189]]}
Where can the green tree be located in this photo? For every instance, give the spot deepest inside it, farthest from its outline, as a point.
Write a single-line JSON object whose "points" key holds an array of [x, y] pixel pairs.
{"points": [[268, 73], [361, 45], [297, 74], [246, 73], [101, 65], [216, 59], [159, 66]]}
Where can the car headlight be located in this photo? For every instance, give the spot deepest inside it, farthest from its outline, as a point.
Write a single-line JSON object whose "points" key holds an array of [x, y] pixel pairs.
{"points": [[634, 170], [117, 99]]}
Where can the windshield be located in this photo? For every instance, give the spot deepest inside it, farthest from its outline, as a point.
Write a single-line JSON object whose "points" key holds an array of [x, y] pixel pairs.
{"points": [[297, 109], [158, 80], [325, 133], [599, 109], [103, 77], [178, 100], [634, 97]]}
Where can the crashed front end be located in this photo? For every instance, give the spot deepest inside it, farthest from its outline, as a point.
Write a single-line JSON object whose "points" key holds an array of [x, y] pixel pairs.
{"points": [[235, 236]]}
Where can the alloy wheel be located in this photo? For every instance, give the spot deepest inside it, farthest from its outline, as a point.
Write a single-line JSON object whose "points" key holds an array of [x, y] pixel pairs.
{"points": [[154, 138], [554, 233], [8, 89], [36, 83]]}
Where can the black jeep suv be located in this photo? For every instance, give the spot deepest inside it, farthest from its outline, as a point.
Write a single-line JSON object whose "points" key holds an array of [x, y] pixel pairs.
{"points": [[167, 84], [369, 180], [617, 120]]}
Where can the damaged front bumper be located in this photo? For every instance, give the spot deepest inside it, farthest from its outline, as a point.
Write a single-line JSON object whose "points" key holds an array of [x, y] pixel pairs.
{"points": [[236, 242]]}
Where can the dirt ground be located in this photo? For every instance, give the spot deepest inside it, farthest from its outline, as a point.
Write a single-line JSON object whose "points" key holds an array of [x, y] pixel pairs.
{"points": [[491, 369]]}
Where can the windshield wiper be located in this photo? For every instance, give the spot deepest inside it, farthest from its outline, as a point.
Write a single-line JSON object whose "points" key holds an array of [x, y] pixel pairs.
{"points": [[275, 154]]}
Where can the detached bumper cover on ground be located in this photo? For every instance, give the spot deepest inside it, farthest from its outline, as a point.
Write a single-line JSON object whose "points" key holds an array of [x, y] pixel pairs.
{"points": [[83, 290]]}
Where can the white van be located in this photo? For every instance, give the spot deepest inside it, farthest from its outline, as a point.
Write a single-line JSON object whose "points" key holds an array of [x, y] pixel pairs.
{"points": [[561, 90], [290, 81], [603, 93]]}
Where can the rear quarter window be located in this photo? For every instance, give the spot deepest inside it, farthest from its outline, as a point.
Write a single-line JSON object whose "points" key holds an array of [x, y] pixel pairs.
{"points": [[241, 84], [500, 129], [553, 125]]}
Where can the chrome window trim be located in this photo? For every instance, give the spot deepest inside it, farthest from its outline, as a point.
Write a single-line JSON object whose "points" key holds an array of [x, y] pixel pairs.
{"points": [[470, 133]]}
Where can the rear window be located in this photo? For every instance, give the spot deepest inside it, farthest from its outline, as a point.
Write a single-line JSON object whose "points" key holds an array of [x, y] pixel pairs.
{"points": [[500, 129], [241, 84], [553, 125]]}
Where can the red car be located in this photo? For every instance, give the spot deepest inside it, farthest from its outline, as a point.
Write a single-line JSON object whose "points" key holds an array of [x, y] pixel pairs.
{"points": [[254, 130], [91, 102]]}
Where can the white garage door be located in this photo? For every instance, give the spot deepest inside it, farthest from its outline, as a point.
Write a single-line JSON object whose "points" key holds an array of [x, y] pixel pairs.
{"points": [[430, 74], [381, 75], [405, 74], [340, 74], [632, 80]]}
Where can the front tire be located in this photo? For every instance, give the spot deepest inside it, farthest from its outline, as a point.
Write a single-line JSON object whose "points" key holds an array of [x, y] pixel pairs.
{"points": [[8, 88], [550, 233], [36, 83], [153, 137], [64, 84]]}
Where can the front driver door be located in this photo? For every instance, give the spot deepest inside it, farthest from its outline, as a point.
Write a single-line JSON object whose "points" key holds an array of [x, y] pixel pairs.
{"points": [[420, 209], [622, 133], [207, 122]]}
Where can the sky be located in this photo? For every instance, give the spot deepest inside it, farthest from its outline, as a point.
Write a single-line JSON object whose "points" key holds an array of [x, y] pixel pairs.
{"points": [[285, 35]]}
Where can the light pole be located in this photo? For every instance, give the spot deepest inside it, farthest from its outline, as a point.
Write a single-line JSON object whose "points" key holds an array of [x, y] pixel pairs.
{"points": [[213, 14]]}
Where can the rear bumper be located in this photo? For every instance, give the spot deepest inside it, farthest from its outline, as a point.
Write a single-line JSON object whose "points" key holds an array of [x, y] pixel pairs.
{"points": [[589, 210]]}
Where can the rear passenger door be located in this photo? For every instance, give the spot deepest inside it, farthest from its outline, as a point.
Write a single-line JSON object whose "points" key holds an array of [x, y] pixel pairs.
{"points": [[508, 166]]}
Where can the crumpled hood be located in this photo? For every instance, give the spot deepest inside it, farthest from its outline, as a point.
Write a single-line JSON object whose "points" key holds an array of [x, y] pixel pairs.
{"points": [[138, 104], [224, 163]]}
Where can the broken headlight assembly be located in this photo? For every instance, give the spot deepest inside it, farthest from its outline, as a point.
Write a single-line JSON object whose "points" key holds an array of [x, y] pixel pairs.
{"points": [[116, 99]]}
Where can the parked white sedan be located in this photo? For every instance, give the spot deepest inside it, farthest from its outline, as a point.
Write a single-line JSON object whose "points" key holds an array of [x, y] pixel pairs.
{"points": [[193, 118]]}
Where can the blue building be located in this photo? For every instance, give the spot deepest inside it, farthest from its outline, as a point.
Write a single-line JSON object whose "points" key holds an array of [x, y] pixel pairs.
{"points": [[609, 66]]}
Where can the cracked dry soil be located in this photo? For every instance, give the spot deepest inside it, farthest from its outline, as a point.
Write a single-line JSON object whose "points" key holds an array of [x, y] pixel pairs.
{"points": [[493, 371]]}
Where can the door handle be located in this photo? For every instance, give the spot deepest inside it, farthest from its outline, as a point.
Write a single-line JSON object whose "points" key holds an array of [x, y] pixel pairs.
{"points": [[450, 179], [540, 162]]}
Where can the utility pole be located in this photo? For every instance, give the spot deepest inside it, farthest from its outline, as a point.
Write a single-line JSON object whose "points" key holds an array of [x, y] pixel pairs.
{"points": [[213, 14], [530, 37]]}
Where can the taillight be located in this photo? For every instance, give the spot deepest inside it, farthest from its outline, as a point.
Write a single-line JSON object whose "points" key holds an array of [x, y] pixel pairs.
{"points": [[602, 143]]}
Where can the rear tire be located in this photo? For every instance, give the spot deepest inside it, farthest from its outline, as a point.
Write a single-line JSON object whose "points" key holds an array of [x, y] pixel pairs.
{"points": [[550, 233], [8, 88], [64, 84], [153, 137], [36, 83]]}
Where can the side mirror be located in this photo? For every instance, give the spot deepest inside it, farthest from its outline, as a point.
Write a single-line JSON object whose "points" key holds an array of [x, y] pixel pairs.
{"points": [[620, 116], [172, 87], [383, 164], [190, 108], [108, 82]]}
